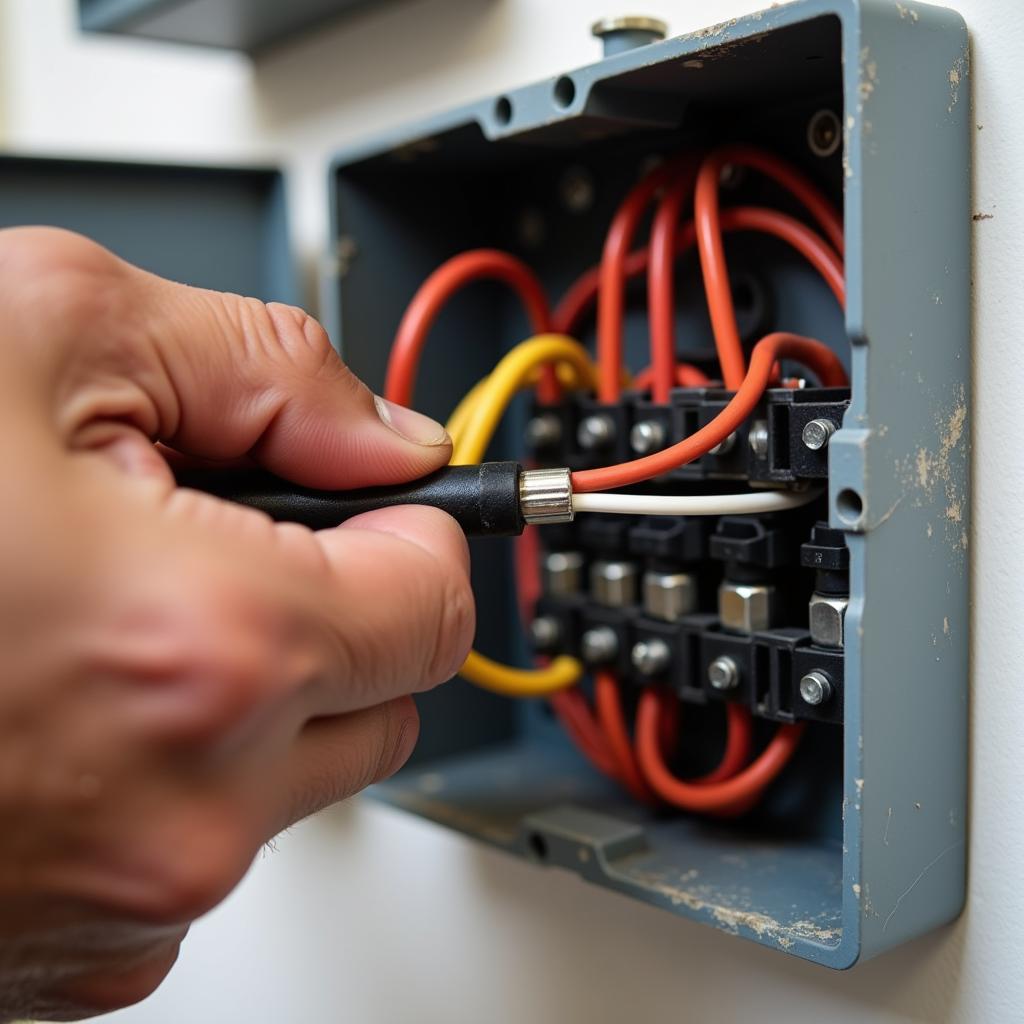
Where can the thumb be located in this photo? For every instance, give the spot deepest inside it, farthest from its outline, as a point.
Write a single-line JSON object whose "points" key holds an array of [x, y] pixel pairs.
{"points": [[213, 375]]}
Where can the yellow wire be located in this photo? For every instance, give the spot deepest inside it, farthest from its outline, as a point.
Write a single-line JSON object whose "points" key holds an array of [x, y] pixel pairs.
{"points": [[471, 426], [460, 416], [513, 373]]}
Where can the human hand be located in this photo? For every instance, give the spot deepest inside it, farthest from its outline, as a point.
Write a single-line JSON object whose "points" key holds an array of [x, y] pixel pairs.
{"points": [[180, 678]]}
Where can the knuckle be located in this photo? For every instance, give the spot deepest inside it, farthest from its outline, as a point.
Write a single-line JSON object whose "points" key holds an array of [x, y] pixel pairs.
{"points": [[80, 278], [304, 342], [201, 661]]}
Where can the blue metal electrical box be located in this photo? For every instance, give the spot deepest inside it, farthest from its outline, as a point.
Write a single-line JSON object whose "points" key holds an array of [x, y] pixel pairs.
{"points": [[860, 845]]}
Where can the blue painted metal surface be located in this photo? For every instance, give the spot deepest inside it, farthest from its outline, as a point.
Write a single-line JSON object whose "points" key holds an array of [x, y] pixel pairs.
{"points": [[222, 228], [249, 25]]}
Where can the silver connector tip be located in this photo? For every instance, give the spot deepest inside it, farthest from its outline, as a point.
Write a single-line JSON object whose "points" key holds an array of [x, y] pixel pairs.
{"points": [[545, 496]]}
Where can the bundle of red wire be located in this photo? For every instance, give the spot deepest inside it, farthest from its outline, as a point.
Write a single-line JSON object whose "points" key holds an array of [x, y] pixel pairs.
{"points": [[602, 733]]}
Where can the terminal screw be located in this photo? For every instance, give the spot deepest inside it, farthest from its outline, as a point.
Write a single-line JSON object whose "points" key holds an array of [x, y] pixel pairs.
{"points": [[824, 133], [545, 632], [724, 673], [816, 433], [618, 35], [815, 688], [647, 436], [758, 438], [651, 657], [599, 645], [544, 430], [596, 431], [724, 446]]}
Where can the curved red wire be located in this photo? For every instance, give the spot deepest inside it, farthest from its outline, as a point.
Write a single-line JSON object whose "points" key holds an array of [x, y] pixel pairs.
{"points": [[437, 289]]}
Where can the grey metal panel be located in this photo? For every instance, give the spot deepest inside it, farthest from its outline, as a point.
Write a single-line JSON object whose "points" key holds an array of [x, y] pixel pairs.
{"points": [[222, 228], [902, 76], [234, 24], [904, 452]]}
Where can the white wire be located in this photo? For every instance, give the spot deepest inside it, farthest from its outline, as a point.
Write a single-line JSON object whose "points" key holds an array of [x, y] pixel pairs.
{"points": [[747, 503]]}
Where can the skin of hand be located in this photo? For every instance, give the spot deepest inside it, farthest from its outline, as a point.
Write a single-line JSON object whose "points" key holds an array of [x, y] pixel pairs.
{"points": [[181, 678]]}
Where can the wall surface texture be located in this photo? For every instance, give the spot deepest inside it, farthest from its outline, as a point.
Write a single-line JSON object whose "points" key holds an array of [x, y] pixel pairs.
{"points": [[368, 916]]}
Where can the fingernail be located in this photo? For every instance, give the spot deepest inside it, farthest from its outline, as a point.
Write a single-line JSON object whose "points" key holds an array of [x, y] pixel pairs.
{"points": [[409, 424]]}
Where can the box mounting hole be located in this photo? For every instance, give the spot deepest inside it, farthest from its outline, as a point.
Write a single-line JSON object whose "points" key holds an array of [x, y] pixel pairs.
{"points": [[503, 110], [565, 92], [849, 505]]}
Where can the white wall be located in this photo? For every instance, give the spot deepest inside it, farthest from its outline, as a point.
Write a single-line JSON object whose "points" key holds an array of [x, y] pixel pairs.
{"points": [[368, 916]]}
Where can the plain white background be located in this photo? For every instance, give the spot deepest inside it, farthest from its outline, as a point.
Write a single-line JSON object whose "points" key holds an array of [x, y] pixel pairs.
{"points": [[368, 916]]}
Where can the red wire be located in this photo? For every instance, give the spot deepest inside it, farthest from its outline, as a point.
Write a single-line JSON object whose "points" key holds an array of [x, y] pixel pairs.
{"points": [[725, 796], [686, 376], [807, 242], [612, 278], [613, 724], [661, 305], [438, 288], [818, 357], [785, 175], [707, 218], [576, 717], [739, 736]]}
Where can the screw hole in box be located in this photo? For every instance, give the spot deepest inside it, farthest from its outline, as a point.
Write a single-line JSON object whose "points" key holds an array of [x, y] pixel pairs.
{"points": [[565, 92], [503, 110], [849, 505]]}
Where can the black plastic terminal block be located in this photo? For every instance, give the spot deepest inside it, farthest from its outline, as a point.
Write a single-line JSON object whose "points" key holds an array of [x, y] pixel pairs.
{"points": [[826, 552], [762, 670], [770, 447]]}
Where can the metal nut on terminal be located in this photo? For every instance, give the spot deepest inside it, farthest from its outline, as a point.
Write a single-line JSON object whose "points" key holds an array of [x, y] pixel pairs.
{"points": [[613, 583], [745, 607], [562, 572], [669, 595], [827, 616]]}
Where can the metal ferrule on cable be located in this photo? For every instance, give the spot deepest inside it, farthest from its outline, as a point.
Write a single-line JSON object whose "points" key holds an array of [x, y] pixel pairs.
{"points": [[545, 496]]}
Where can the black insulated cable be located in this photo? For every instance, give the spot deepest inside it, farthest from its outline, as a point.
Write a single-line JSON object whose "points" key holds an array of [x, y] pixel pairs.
{"points": [[483, 499]]}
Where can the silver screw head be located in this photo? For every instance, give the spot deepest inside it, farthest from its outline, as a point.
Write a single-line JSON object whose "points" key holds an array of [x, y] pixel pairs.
{"points": [[816, 433], [599, 645], [544, 430], [595, 431], [824, 133], [815, 688], [647, 436], [651, 657], [724, 446], [724, 673], [577, 189], [544, 632], [758, 438]]}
